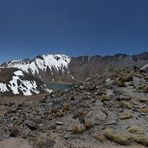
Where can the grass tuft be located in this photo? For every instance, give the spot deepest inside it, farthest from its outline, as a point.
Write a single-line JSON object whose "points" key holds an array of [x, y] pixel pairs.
{"points": [[78, 129], [125, 104], [136, 130], [125, 115], [117, 138]]}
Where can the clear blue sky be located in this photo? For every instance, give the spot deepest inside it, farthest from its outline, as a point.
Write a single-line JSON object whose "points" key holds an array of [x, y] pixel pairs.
{"points": [[72, 27]]}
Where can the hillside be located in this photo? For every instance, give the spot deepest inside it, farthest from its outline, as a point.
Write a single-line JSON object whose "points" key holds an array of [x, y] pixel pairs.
{"points": [[16, 82], [107, 110]]}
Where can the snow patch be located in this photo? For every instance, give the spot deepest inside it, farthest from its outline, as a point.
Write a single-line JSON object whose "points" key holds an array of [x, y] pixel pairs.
{"points": [[72, 76], [25, 86], [19, 73], [14, 85], [3, 87], [31, 86]]}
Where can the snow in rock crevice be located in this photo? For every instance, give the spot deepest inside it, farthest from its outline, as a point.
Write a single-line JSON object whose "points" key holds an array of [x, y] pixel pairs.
{"points": [[3, 87], [19, 73]]}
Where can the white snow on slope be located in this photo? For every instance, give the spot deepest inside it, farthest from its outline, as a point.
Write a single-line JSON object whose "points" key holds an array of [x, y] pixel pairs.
{"points": [[3, 87], [18, 85], [26, 87], [14, 85], [56, 61], [19, 73]]}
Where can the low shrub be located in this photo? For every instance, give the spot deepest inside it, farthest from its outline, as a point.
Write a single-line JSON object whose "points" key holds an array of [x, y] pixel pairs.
{"points": [[143, 110], [117, 138], [125, 115], [125, 104], [99, 137], [77, 129], [136, 130], [88, 124]]}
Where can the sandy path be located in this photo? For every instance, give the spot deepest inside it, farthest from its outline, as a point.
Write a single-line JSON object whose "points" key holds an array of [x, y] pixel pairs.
{"points": [[14, 143]]}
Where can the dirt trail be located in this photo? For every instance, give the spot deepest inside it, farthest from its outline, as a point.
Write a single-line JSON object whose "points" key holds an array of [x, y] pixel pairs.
{"points": [[14, 143]]}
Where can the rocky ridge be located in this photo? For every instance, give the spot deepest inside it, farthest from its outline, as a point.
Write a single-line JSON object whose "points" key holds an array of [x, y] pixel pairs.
{"points": [[112, 107], [61, 68]]}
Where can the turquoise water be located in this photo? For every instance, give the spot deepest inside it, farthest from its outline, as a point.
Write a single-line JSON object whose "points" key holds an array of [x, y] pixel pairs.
{"points": [[60, 86]]}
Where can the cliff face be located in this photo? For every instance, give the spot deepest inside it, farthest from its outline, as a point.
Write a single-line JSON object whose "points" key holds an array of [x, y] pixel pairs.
{"points": [[84, 67], [61, 68]]}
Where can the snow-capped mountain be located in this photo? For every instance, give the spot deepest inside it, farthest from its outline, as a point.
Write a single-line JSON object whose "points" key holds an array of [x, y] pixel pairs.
{"points": [[57, 62], [17, 82], [61, 68], [45, 66]]}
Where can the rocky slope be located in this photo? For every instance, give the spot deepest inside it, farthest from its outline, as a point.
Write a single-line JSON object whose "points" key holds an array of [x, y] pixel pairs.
{"points": [[57, 68], [108, 110], [16, 82]]}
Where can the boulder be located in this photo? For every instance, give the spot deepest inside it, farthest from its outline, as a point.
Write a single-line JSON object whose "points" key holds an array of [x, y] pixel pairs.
{"points": [[144, 68]]}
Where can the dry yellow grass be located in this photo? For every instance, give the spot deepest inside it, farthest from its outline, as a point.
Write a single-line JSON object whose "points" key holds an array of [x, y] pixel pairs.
{"points": [[117, 138], [136, 137], [125, 115], [136, 130], [140, 139], [66, 107], [143, 110], [104, 98], [77, 129], [125, 104], [99, 137], [88, 124]]}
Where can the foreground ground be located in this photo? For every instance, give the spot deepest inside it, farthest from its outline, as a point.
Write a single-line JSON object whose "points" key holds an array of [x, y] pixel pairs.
{"points": [[105, 111]]}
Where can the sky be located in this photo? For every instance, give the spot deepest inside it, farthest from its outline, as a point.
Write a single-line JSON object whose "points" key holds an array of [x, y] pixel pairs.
{"points": [[73, 27]]}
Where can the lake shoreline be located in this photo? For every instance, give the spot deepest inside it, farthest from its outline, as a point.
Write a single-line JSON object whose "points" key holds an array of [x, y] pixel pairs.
{"points": [[60, 86]]}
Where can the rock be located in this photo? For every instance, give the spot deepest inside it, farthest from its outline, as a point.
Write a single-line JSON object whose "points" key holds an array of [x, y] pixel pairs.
{"points": [[144, 68], [82, 87], [13, 109], [113, 122], [66, 136], [123, 98], [109, 92], [14, 132], [59, 123], [109, 81], [31, 125], [97, 114]]}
